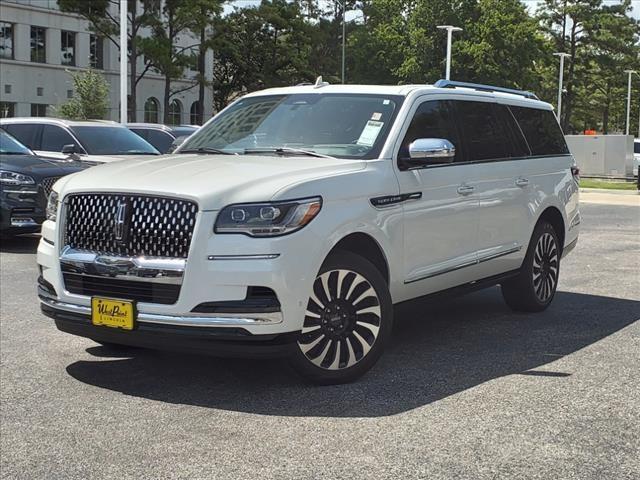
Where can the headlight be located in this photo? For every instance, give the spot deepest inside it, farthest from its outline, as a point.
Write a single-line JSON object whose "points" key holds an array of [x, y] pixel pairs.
{"points": [[52, 206], [268, 219], [14, 178]]}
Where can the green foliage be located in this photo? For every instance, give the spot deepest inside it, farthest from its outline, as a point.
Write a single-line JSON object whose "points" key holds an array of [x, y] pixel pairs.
{"points": [[91, 97]]}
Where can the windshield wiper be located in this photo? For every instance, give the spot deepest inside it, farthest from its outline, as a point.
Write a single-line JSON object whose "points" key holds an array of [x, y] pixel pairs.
{"points": [[206, 150], [285, 151]]}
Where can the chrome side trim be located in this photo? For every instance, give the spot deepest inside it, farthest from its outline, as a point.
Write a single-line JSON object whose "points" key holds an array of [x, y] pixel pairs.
{"points": [[217, 320], [268, 256], [465, 265], [486, 258], [165, 270]]}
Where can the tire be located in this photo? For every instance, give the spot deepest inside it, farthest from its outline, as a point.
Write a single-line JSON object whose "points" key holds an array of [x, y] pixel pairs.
{"points": [[348, 321], [535, 286]]}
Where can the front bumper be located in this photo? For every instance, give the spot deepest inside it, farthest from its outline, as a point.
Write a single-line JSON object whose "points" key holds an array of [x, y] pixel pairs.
{"points": [[176, 334], [21, 211]]}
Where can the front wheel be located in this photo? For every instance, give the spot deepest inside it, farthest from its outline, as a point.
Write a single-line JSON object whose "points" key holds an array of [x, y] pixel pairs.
{"points": [[535, 286], [347, 322]]}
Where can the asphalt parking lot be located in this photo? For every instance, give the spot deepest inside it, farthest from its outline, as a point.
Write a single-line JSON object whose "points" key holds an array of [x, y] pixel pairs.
{"points": [[467, 389]]}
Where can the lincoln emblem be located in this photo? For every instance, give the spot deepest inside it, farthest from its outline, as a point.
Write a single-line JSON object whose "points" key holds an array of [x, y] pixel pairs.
{"points": [[118, 228]]}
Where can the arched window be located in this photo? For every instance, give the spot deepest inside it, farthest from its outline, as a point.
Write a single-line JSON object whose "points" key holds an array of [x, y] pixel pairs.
{"points": [[175, 112], [151, 109], [195, 118]]}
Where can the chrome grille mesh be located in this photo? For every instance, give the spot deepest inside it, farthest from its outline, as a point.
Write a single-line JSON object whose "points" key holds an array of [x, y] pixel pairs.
{"points": [[153, 226], [47, 185]]}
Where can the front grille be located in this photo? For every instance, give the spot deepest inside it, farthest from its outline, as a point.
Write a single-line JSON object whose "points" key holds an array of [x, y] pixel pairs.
{"points": [[126, 289], [47, 185], [148, 225]]}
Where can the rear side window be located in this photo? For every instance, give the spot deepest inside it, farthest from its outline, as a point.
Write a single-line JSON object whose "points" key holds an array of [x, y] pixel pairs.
{"points": [[433, 119], [54, 138], [161, 140], [27, 133], [484, 132], [541, 130]]}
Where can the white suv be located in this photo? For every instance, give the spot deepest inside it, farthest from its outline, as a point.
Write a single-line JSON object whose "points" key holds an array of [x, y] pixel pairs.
{"points": [[293, 221]]}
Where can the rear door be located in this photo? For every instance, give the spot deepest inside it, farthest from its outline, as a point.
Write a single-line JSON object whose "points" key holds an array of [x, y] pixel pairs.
{"points": [[495, 154]]}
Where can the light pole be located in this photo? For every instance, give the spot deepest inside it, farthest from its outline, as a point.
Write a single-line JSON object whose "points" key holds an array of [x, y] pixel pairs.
{"points": [[630, 72], [560, 79], [123, 61], [344, 35], [450, 29]]}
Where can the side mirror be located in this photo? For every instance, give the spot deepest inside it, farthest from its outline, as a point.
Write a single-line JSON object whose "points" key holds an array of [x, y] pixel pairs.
{"points": [[69, 149], [177, 142], [430, 151]]}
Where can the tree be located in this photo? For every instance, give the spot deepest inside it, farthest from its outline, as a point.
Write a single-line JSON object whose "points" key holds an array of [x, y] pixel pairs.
{"points": [[162, 50], [102, 19], [90, 99]]}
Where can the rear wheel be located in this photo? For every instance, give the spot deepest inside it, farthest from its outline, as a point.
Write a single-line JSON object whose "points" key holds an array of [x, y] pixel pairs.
{"points": [[535, 286], [347, 322]]}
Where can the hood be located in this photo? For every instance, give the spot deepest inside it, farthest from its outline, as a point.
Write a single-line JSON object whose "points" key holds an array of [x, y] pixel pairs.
{"points": [[38, 167], [213, 181]]}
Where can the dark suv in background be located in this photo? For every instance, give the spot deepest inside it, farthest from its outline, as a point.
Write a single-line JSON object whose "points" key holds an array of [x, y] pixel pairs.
{"points": [[162, 137]]}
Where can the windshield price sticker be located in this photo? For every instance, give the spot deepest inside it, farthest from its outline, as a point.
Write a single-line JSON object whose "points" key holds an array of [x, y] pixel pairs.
{"points": [[370, 133]]}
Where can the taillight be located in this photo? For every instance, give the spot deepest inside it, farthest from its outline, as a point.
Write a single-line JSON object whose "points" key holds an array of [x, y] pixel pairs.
{"points": [[575, 171]]}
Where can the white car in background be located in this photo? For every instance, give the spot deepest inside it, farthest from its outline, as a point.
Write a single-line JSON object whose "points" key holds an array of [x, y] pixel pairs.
{"points": [[92, 141], [293, 221]]}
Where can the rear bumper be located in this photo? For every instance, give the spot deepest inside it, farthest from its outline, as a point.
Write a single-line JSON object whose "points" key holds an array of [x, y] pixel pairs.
{"points": [[226, 341]]}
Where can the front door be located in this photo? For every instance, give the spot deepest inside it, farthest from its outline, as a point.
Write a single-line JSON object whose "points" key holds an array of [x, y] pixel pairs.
{"points": [[440, 214]]}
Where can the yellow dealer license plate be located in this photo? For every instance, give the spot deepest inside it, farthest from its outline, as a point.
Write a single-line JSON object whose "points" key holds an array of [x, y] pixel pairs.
{"points": [[112, 313]]}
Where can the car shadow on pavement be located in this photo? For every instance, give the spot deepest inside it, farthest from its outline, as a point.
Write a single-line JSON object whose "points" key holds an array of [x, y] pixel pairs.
{"points": [[438, 349], [20, 244]]}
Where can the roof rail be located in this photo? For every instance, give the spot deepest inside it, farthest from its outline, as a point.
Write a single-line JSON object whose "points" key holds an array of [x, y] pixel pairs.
{"points": [[484, 88]]}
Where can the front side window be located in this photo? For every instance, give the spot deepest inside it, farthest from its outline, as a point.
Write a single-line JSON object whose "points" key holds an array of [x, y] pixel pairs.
{"points": [[541, 130], [483, 131], [433, 119], [159, 139], [67, 48], [112, 141], [38, 45], [96, 52], [54, 138], [6, 40], [339, 125]]}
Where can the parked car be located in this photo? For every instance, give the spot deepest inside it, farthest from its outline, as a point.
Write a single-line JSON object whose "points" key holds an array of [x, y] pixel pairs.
{"points": [[95, 141], [25, 184], [162, 137], [292, 222], [636, 157]]}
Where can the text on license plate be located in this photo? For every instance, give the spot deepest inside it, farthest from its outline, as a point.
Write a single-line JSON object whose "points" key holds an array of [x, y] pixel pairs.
{"points": [[112, 313]]}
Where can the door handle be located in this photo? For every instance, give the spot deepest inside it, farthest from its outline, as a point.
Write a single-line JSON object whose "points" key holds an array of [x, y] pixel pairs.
{"points": [[522, 182], [466, 189]]}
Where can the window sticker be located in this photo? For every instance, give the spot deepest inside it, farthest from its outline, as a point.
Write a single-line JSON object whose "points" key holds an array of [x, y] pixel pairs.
{"points": [[376, 116], [370, 133]]}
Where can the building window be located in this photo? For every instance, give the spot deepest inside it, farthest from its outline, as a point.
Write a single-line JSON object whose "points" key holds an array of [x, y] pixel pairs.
{"points": [[67, 48], [39, 91], [194, 117], [38, 44], [69, 93], [151, 109], [6, 40], [7, 109], [151, 7], [96, 52], [175, 113], [39, 109], [7, 88]]}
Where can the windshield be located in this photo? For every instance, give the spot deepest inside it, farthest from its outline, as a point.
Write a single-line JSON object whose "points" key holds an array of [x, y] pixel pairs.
{"points": [[112, 141], [339, 125], [9, 145]]}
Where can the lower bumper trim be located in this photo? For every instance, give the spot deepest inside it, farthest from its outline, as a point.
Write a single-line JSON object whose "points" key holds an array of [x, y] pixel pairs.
{"points": [[219, 320], [222, 342]]}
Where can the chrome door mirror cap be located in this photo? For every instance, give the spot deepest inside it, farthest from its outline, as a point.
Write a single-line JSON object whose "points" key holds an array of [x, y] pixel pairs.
{"points": [[425, 151]]}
